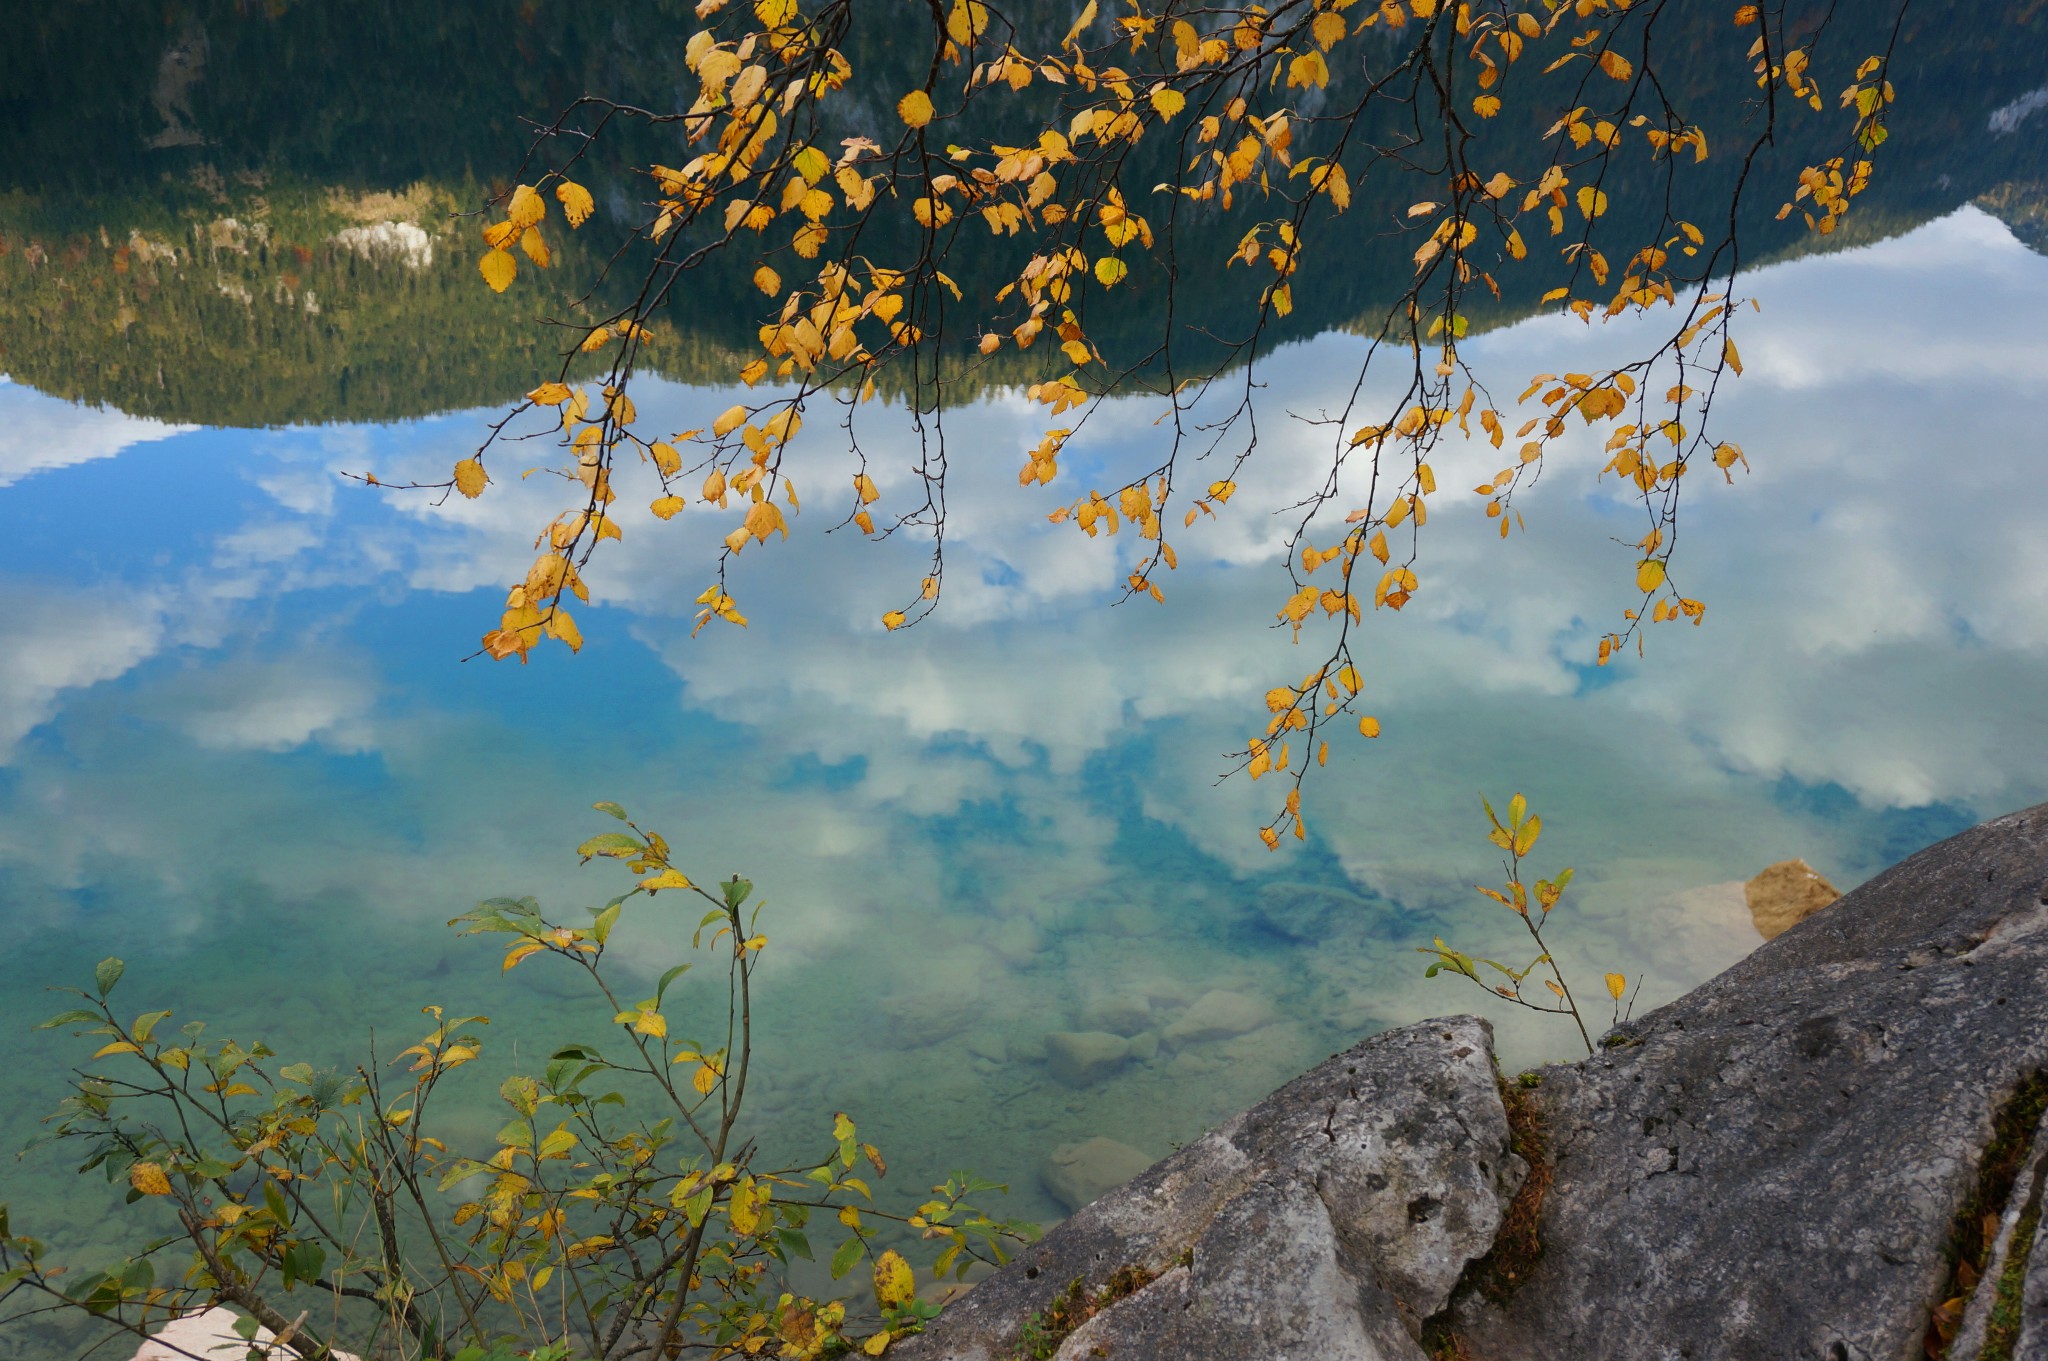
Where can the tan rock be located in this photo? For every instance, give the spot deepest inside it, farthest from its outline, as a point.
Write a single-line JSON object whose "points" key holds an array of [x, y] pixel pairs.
{"points": [[1076, 1174], [1786, 894]]}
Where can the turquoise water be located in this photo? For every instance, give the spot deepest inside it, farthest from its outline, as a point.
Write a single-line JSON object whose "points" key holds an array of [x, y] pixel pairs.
{"points": [[239, 744]]}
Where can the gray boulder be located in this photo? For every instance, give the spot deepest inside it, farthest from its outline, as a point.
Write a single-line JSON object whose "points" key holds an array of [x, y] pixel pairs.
{"points": [[1392, 1157], [1787, 1162], [1774, 1164]]}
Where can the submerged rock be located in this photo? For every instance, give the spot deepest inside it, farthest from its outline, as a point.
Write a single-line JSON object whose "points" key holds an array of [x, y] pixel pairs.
{"points": [[1079, 1057], [1785, 894], [1778, 1164], [1118, 1015], [1218, 1015], [1076, 1174]]}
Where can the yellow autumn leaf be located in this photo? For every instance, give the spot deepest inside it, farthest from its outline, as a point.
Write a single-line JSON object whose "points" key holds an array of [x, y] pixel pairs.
{"points": [[535, 247], [1616, 65], [498, 268], [895, 1285], [577, 205], [561, 626], [876, 1345], [666, 458], [704, 1079], [526, 207], [149, 1179], [1369, 727], [767, 280], [1732, 356], [666, 507], [729, 420], [893, 620], [744, 1212], [1166, 103], [1649, 575], [1109, 270], [1616, 986], [915, 108], [1591, 201], [549, 394], [1486, 106], [666, 879], [470, 478], [651, 1023]]}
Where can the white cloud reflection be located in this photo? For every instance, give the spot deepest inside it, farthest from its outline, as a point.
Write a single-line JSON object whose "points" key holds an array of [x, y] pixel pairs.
{"points": [[1876, 622], [46, 432]]}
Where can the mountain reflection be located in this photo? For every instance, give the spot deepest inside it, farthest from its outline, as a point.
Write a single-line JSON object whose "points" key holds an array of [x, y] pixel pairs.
{"points": [[259, 223]]}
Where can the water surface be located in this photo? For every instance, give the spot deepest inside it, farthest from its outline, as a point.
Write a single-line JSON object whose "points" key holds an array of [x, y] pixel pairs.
{"points": [[240, 744]]}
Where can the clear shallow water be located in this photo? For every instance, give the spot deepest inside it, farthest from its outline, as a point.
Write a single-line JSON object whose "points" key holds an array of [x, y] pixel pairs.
{"points": [[238, 745]]}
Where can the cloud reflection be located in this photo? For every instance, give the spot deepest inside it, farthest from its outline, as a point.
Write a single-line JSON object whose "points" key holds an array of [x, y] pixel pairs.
{"points": [[1875, 625]]}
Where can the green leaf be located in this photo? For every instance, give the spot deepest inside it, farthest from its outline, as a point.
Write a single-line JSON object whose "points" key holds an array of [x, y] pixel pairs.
{"points": [[75, 1017], [849, 1255], [304, 1262], [459, 1171], [736, 890], [615, 844], [273, 1198], [605, 921], [611, 808], [671, 976], [107, 973]]}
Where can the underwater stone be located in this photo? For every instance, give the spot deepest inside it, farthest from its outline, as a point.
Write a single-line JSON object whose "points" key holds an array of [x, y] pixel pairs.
{"points": [[1118, 1015], [1024, 1049], [1079, 1057], [1218, 1015], [1310, 913], [1144, 1048], [994, 1048], [1076, 1174]]}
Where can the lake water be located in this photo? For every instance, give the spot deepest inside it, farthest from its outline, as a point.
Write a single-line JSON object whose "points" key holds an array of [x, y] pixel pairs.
{"points": [[241, 747]]}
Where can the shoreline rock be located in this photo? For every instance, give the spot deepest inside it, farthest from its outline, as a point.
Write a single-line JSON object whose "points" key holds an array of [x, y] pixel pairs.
{"points": [[1773, 1165]]}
